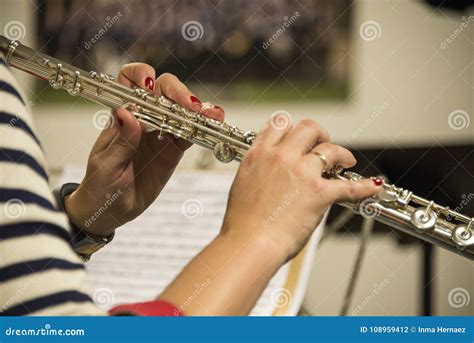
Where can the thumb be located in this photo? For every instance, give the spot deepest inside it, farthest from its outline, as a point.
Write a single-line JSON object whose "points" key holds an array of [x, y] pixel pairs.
{"points": [[125, 144], [344, 190]]}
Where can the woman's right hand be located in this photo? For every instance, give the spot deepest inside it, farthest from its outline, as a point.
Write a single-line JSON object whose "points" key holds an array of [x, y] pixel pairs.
{"points": [[277, 200], [279, 196]]}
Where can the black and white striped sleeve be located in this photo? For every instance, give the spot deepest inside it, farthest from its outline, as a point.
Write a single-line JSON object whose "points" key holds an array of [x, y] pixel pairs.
{"points": [[40, 274]]}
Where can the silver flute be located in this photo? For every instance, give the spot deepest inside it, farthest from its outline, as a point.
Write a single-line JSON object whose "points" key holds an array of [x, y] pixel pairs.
{"points": [[393, 206]]}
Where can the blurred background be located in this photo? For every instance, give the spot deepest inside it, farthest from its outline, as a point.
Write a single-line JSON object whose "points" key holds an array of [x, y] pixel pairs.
{"points": [[220, 48], [390, 79]]}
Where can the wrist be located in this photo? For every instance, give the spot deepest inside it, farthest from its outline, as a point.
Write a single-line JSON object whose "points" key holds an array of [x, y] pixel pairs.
{"points": [[84, 243], [256, 243], [76, 209], [233, 263]]}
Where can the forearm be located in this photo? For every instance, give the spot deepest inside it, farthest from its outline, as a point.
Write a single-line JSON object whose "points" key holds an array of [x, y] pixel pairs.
{"points": [[226, 278]]}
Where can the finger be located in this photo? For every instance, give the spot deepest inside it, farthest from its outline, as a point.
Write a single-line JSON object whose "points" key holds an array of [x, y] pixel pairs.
{"points": [[106, 136], [277, 126], [306, 134], [169, 149], [125, 143], [137, 74], [209, 110], [180, 145], [172, 88], [334, 155], [345, 190], [213, 111]]}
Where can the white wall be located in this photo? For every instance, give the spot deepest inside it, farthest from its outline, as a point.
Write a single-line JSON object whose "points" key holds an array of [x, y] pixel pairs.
{"points": [[422, 83]]}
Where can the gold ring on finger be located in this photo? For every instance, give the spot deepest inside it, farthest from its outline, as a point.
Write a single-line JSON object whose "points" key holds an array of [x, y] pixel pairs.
{"points": [[323, 159]]}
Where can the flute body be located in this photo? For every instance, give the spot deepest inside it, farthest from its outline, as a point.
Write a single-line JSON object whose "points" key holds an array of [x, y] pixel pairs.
{"points": [[393, 206]]}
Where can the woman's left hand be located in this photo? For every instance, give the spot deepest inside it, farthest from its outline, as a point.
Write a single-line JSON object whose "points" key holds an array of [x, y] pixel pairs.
{"points": [[128, 167]]}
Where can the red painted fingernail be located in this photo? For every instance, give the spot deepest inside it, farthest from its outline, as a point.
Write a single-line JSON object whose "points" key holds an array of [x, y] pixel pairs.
{"points": [[218, 108], [150, 83], [120, 121], [377, 181], [195, 100]]}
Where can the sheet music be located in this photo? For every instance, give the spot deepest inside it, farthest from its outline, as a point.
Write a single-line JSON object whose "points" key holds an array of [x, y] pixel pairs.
{"points": [[148, 253]]}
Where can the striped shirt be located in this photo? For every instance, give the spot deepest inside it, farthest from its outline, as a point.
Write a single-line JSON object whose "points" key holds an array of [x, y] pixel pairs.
{"points": [[40, 273]]}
